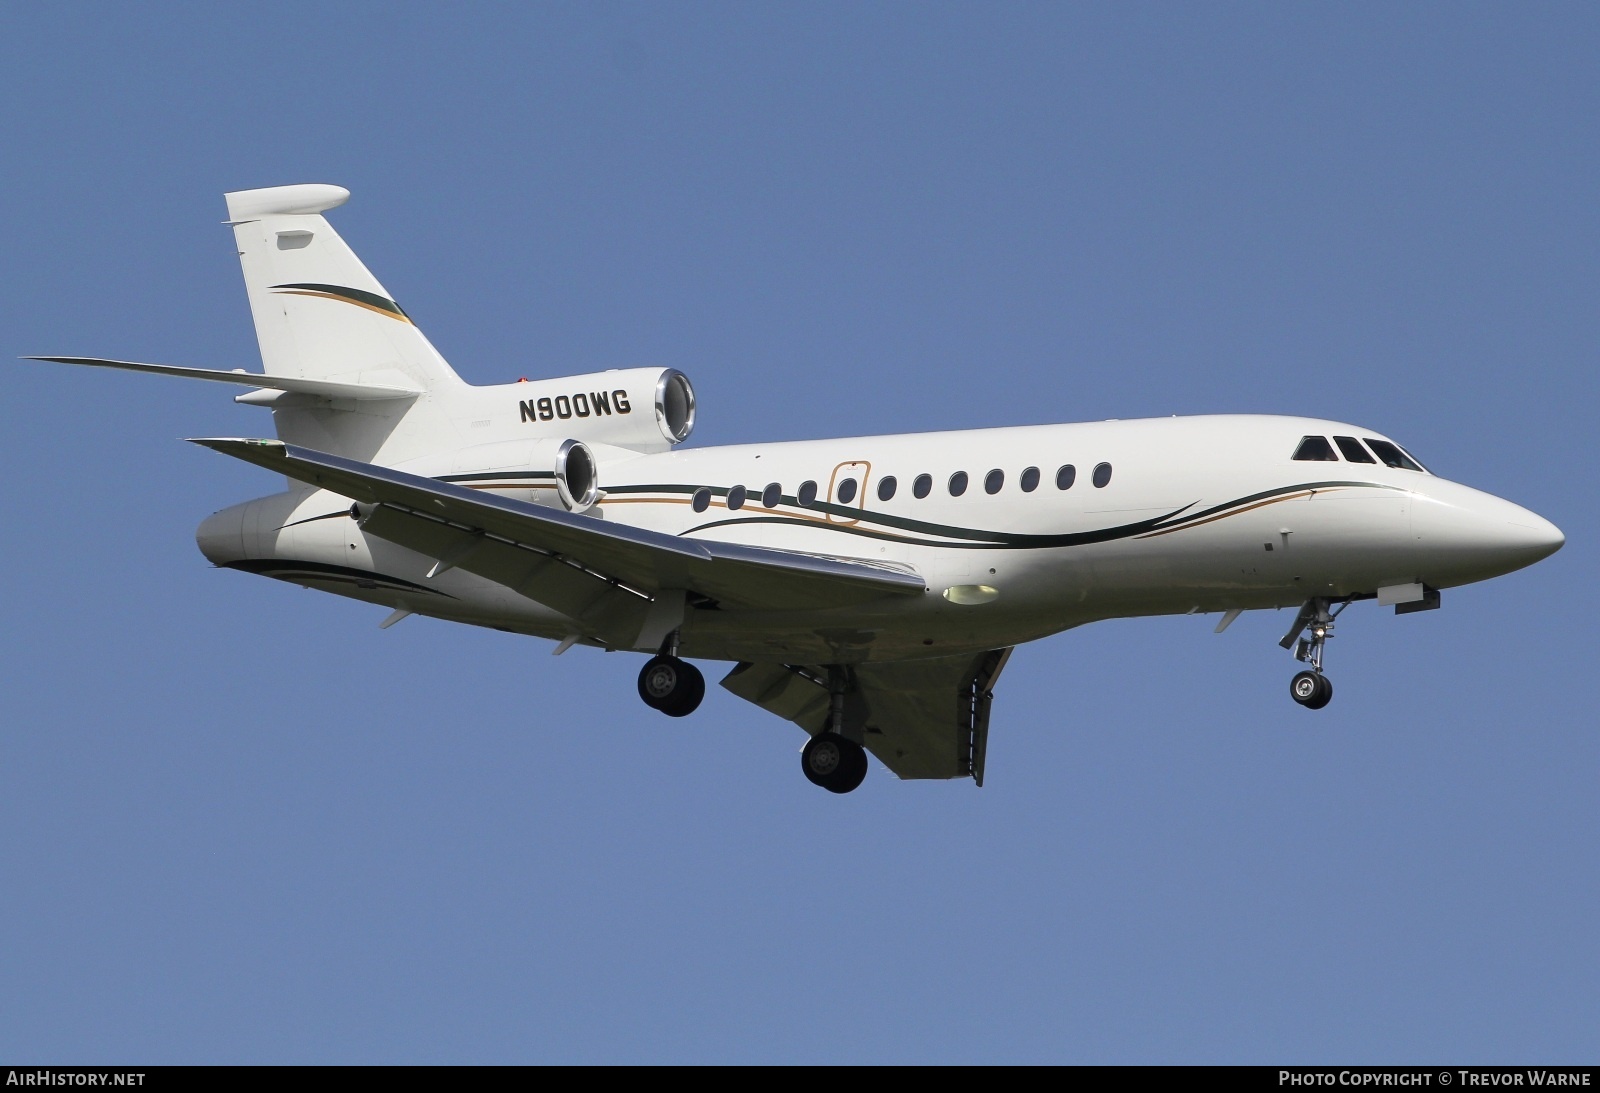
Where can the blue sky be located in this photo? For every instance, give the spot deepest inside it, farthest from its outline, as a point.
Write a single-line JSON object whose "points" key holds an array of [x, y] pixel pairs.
{"points": [[240, 823]]}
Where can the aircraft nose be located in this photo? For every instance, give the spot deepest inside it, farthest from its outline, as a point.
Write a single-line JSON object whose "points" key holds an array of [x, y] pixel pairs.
{"points": [[1532, 537], [1477, 535]]}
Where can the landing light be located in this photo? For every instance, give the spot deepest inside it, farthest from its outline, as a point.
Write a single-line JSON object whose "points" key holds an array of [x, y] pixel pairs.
{"points": [[968, 594]]}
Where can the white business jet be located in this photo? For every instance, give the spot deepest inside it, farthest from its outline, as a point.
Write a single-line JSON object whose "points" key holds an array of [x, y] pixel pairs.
{"points": [[869, 589]]}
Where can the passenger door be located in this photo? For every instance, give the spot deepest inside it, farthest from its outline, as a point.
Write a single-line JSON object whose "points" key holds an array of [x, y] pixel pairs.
{"points": [[847, 488]]}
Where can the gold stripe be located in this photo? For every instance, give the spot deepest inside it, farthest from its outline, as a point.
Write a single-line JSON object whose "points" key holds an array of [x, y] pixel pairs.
{"points": [[542, 484], [343, 300], [1236, 512], [753, 509]]}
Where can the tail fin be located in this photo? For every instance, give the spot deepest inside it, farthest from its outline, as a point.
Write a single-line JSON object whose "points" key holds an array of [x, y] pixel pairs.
{"points": [[319, 313]]}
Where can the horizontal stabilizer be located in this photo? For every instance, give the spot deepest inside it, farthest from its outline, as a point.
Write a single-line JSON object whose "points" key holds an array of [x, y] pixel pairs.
{"points": [[317, 388]]}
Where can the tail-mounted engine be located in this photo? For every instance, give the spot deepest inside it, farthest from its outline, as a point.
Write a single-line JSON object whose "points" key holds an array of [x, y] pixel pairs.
{"points": [[577, 477], [555, 473], [645, 409], [554, 438]]}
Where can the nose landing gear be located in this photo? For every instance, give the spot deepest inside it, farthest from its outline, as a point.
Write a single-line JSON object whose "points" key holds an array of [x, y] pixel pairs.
{"points": [[1312, 689]]}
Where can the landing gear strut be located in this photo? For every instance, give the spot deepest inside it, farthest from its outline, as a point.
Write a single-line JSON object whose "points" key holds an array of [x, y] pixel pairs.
{"points": [[1312, 689], [673, 686], [830, 759]]}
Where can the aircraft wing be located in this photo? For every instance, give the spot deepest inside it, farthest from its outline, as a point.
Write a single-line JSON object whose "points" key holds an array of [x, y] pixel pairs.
{"points": [[921, 718], [604, 575]]}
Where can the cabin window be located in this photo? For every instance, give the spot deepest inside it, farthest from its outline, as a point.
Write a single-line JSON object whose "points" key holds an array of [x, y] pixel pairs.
{"points": [[1316, 449], [1352, 449], [1029, 480], [771, 495], [1391, 455], [958, 483], [1102, 476], [1066, 476], [922, 486], [807, 494], [702, 499], [847, 491], [994, 481], [886, 487], [736, 497]]}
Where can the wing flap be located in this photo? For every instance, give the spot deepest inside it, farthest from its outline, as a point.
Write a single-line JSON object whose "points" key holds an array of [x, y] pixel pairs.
{"points": [[602, 609], [921, 718]]}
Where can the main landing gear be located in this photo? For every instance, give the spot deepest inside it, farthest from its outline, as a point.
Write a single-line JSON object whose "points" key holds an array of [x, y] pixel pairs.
{"points": [[673, 686], [834, 763], [1312, 689], [831, 759]]}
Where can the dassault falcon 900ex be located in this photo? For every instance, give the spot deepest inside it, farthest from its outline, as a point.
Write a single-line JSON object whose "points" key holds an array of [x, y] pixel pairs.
{"points": [[868, 589]]}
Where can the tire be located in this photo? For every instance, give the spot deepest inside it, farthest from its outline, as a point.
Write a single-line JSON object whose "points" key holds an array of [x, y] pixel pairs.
{"points": [[691, 689], [834, 763], [1305, 688], [1324, 694], [673, 686], [854, 771]]}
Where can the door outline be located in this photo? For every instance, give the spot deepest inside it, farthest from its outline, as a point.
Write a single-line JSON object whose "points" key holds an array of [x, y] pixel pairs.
{"points": [[847, 469]]}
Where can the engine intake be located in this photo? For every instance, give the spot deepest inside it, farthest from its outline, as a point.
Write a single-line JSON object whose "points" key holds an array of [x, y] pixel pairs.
{"points": [[577, 476], [675, 405]]}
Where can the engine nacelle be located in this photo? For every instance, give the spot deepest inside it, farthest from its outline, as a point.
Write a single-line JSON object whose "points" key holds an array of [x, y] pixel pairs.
{"points": [[644, 409], [555, 473], [577, 476]]}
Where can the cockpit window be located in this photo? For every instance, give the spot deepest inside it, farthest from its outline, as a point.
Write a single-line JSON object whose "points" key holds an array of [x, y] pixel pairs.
{"points": [[1316, 449], [1414, 459], [1352, 449], [1391, 455]]}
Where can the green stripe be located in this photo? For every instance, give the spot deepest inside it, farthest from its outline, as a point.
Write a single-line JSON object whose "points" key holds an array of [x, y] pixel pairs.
{"points": [[495, 475], [979, 538], [1038, 542], [370, 298]]}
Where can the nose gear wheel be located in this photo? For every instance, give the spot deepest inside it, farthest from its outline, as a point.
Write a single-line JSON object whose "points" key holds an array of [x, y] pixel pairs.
{"points": [[1311, 689]]}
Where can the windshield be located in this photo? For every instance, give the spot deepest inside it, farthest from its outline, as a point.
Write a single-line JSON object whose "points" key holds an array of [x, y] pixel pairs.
{"points": [[1392, 455], [1316, 449]]}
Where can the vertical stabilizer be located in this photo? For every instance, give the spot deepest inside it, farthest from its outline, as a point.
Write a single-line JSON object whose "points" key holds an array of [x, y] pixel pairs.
{"points": [[319, 313]]}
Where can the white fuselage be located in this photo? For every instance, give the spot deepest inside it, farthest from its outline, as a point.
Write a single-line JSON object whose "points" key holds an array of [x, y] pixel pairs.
{"points": [[1199, 513]]}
